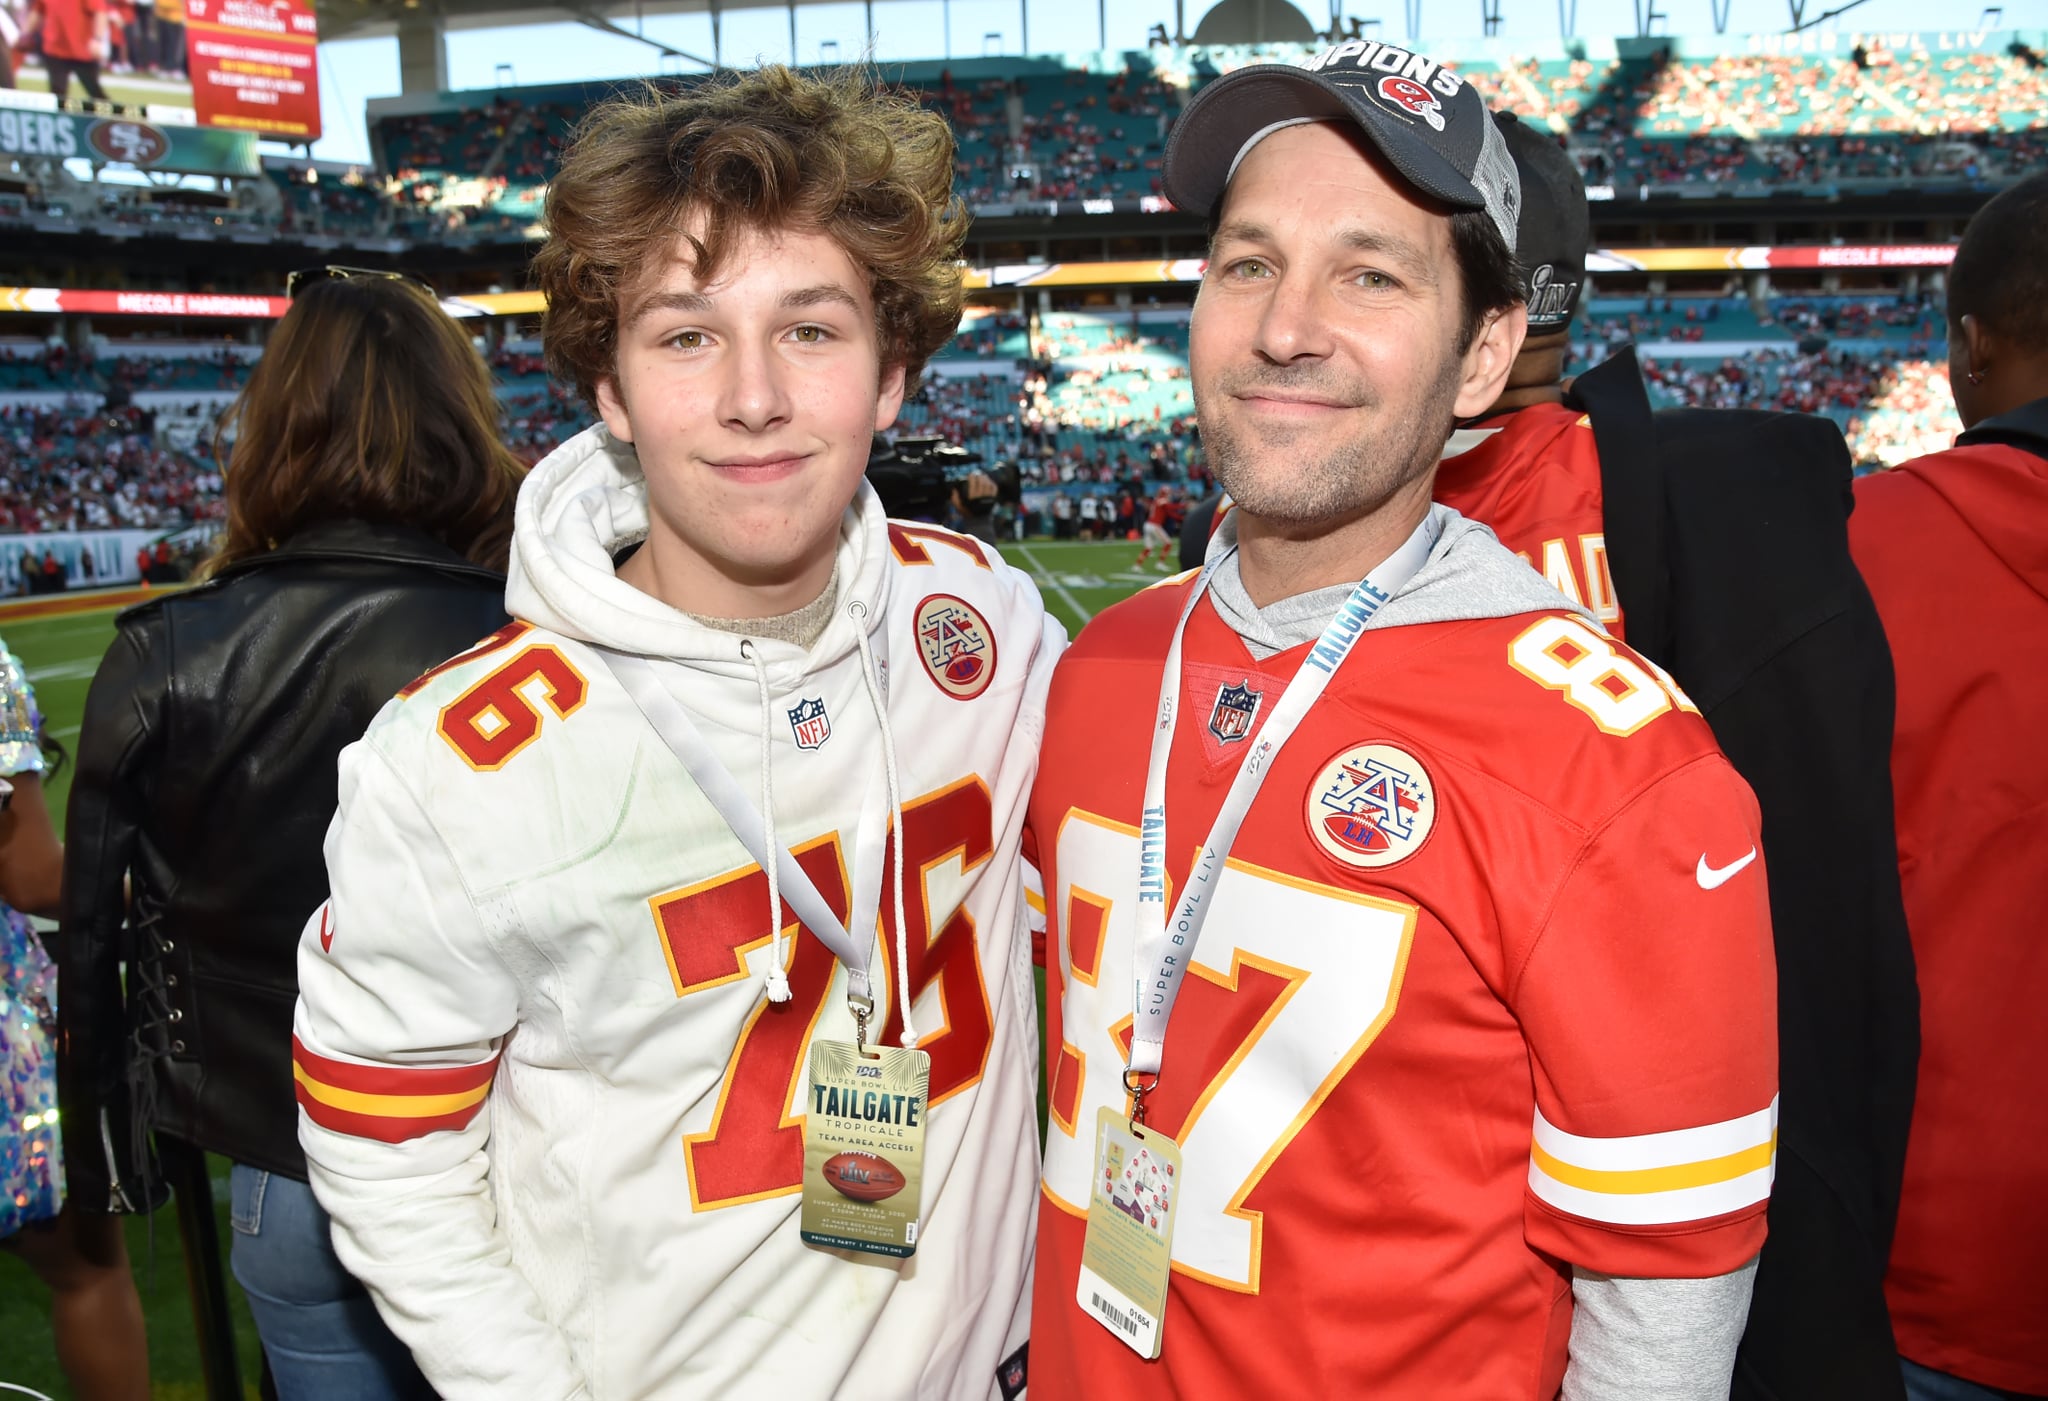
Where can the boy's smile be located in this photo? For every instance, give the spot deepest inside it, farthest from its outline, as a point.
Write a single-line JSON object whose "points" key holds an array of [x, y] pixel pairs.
{"points": [[752, 401]]}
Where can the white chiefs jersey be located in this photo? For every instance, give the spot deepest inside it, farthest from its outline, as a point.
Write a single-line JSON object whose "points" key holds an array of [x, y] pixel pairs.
{"points": [[557, 1121]]}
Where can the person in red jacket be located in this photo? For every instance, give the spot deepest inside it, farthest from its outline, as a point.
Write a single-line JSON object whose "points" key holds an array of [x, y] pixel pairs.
{"points": [[1954, 547]]}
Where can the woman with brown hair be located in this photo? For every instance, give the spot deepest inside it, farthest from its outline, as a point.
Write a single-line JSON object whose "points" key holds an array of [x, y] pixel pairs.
{"points": [[369, 510]]}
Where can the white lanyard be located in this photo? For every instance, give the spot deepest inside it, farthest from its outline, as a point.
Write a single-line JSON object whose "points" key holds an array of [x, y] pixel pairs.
{"points": [[715, 781], [1162, 947]]}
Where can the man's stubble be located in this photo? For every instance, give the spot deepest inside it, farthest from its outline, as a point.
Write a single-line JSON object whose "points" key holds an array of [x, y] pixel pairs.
{"points": [[1306, 486]]}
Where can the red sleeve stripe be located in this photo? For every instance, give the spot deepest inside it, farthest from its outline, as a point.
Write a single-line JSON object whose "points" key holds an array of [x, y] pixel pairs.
{"points": [[397, 1081], [384, 1128]]}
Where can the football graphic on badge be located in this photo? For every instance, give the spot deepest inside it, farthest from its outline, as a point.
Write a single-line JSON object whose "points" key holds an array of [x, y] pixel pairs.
{"points": [[1371, 806], [863, 1177], [956, 645]]}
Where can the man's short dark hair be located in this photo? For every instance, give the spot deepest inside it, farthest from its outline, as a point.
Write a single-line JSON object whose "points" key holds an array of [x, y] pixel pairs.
{"points": [[1489, 278], [2000, 275]]}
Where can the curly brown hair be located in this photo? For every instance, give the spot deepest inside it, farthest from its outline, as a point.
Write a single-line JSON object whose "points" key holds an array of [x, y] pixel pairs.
{"points": [[769, 150], [369, 404]]}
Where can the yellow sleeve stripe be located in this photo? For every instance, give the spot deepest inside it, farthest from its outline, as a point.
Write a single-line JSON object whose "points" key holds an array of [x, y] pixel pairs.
{"points": [[1036, 900], [389, 1106], [1672, 1148], [1659, 1179]]}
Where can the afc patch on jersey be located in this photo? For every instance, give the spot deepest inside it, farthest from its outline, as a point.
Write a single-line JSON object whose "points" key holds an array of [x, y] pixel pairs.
{"points": [[1230, 719], [1371, 806], [957, 646], [810, 724]]}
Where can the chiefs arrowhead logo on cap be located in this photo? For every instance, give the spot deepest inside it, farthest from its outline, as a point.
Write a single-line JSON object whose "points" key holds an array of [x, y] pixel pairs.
{"points": [[1412, 97]]}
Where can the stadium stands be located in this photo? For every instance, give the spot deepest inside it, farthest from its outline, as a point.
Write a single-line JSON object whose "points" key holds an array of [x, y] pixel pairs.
{"points": [[99, 469], [1739, 115], [1071, 396], [1093, 126]]}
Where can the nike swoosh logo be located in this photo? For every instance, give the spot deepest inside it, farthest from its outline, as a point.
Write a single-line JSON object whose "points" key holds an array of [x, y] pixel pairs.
{"points": [[327, 929], [1711, 877]]}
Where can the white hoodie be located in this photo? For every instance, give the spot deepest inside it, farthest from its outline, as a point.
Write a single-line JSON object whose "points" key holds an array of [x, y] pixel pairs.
{"points": [[555, 1116]]}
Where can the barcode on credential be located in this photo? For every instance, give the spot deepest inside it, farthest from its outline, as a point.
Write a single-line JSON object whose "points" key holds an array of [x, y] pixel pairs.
{"points": [[1114, 1314]]}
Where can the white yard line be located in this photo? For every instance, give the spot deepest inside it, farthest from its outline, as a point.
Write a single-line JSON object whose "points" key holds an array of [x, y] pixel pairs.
{"points": [[78, 670], [1046, 576]]}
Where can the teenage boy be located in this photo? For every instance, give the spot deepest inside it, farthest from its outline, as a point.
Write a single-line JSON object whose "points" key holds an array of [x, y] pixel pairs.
{"points": [[617, 893], [1474, 1093]]}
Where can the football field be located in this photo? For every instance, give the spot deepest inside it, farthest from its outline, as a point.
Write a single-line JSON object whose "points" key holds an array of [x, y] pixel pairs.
{"points": [[1077, 579]]}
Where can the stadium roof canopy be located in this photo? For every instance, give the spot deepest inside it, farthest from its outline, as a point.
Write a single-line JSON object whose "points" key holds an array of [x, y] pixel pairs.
{"points": [[420, 25]]}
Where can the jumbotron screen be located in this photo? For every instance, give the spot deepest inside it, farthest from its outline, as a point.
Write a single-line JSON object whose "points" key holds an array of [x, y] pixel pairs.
{"points": [[239, 65]]}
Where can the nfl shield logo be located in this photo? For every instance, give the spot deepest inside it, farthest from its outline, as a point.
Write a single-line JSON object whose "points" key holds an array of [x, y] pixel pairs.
{"points": [[1236, 707], [811, 725]]}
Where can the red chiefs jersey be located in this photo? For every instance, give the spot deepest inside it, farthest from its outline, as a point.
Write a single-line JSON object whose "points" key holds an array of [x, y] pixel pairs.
{"points": [[1533, 476], [1487, 991], [1953, 549]]}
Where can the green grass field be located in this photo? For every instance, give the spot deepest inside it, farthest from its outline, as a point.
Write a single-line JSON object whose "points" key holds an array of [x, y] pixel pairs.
{"points": [[60, 654]]}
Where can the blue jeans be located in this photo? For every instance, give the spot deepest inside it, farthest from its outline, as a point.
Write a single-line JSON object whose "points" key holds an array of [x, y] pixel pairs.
{"points": [[319, 1329], [1926, 1384]]}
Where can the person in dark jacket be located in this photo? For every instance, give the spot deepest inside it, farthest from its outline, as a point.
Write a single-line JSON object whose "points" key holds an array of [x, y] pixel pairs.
{"points": [[369, 514], [1715, 541]]}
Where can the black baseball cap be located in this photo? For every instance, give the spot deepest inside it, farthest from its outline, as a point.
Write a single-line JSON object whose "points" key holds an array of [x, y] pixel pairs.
{"points": [[1554, 230], [1431, 125]]}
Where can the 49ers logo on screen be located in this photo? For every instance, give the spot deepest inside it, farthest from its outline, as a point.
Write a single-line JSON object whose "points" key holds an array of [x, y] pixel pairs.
{"points": [[1411, 96], [1371, 806]]}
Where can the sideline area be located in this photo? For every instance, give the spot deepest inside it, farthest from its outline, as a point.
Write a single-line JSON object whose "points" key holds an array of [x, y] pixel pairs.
{"points": [[15, 610]]}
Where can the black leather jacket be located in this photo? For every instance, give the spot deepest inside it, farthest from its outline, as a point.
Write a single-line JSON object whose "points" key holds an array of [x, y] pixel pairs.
{"points": [[206, 772]]}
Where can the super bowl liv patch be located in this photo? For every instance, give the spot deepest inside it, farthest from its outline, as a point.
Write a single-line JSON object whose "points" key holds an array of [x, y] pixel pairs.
{"points": [[956, 645], [1370, 806]]}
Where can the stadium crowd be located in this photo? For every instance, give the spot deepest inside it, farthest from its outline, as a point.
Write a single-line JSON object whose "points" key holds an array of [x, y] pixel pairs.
{"points": [[103, 469], [481, 171], [1086, 388], [1788, 119]]}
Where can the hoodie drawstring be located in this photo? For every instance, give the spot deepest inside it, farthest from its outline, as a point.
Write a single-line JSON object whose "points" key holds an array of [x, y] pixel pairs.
{"points": [[858, 611], [778, 976]]}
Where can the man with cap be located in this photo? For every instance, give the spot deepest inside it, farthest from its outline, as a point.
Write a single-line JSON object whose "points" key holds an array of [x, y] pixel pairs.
{"points": [[1474, 1097], [1718, 538]]}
